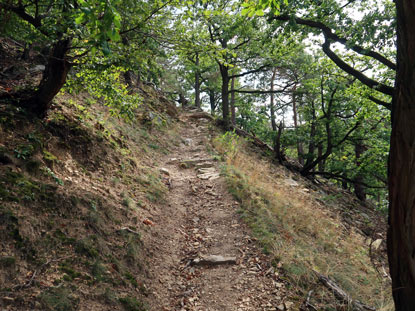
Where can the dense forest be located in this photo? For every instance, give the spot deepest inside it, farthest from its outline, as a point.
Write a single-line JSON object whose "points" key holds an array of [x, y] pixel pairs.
{"points": [[325, 87]]}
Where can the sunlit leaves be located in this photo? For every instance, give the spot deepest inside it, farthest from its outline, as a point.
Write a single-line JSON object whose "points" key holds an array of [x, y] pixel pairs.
{"points": [[106, 86], [259, 7], [102, 21]]}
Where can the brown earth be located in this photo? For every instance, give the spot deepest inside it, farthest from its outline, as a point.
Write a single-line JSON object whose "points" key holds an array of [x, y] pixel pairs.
{"points": [[200, 219]]}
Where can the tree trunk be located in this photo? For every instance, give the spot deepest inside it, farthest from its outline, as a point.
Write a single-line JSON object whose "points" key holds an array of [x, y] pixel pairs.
{"points": [[197, 82], [54, 77], [401, 232], [233, 112], [272, 104], [26, 51], [279, 154], [127, 75], [359, 188], [300, 151], [183, 101], [321, 164], [128, 79], [313, 130], [212, 102], [345, 185], [224, 71]]}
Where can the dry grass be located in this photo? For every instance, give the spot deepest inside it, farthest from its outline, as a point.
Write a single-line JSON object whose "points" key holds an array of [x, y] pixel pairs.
{"points": [[299, 232]]}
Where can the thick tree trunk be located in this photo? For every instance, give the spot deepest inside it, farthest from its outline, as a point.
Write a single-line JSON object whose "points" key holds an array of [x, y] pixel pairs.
{"points": [[359, 188], [224, 71], [233, 110], [401, 233], [197, 82], [53, 79]]}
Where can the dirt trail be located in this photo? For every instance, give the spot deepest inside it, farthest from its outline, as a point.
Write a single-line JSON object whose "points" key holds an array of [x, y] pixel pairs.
{"points": [[200, 219]]}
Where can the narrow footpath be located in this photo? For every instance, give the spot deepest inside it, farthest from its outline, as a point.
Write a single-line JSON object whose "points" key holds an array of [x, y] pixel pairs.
{"points": [[203, 256]]}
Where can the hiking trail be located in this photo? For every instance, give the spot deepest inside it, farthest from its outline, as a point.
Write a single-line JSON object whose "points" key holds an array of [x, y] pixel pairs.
{"points": [[202, 255]]}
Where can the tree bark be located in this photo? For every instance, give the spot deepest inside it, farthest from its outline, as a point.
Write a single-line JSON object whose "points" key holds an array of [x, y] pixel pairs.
{"points": [[183, 101], [272, 104], [54, 77], [313, 130], [321, 164], [279, 154], [401, 232], [359, 188], [26, 51], [224, 71], [127, 74], [233, 111], [197, 82], [300, 151], [212, 102], [128, 79]]}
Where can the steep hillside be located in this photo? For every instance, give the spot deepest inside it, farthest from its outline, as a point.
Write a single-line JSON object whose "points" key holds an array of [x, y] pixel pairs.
{"points": [[73, 191]]}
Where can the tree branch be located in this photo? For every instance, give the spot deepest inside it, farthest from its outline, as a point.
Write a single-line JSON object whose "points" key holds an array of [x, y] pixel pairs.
{"points": [[328, 33], [263, 92], [241, 44], [342, 177], [383, 88], [262, 68], [381, 102], [156, 10], [20, 11]]}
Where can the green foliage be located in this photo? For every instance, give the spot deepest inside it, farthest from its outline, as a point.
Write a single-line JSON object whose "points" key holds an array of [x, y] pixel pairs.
{"points": [[98, 271], [86, 247], [105, 86], [16, 187], [58, 299], [259, 8], [70, 272], [24, 151], [229, 143], [132, 304], [131, 278], [48, 172], [49, 156], [7, 262]]}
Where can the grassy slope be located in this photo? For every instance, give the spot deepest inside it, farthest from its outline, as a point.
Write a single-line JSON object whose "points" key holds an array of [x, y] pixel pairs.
{"points": [[303, 228], [70, 186]]}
